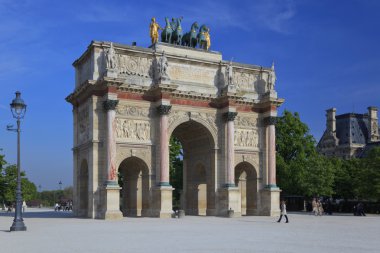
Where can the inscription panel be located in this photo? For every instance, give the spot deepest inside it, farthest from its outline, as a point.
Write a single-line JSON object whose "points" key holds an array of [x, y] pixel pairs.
{"points": [[191, 73]]}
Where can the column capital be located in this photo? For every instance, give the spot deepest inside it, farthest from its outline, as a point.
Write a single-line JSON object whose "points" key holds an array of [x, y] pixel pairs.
{"points": [[110, 104], [164, 109], [270, 120], [230, 116]]}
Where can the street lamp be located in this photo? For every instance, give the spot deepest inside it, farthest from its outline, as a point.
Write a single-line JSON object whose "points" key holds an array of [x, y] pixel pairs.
{"points": [[60, 185], [18, 109]]}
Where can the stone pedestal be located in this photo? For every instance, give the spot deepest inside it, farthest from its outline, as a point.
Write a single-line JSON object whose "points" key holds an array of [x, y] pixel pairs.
{"points": [[112, 211], [163, 202], [270, 201], [229, 199]]}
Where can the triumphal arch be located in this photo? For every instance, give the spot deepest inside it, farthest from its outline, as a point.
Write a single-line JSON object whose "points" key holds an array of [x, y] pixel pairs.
{"points": [[127, 103]]}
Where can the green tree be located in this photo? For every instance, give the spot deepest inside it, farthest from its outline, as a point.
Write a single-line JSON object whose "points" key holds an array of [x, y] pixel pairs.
{"points": [[370, 175], [29, 189], [300, 169]]}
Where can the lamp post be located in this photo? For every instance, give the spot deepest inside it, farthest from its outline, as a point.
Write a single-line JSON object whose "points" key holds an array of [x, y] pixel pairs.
{"points": [[60, 185], [18, 108]]}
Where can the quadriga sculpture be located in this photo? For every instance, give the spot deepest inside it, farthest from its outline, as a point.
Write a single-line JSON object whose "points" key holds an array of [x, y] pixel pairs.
{"points": [[190, 38]]}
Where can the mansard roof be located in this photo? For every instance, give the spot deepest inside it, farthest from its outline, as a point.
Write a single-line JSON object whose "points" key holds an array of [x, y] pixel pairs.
{"points": [[352, 128]]}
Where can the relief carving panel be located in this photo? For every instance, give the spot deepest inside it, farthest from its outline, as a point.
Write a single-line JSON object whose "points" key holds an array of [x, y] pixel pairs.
{"points": [[244, 81], [132, 129], [246, 138], [83, 125]]}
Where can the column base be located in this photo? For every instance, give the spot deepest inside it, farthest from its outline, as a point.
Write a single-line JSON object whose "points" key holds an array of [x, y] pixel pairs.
{"points": [[112, 212], [229, 200], [270, 201], [163, 207]]}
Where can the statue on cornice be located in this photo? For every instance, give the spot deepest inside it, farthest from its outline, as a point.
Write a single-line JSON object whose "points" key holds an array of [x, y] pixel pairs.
{"points": [[229, 71], [272, 78], [162, 68], [111, 58]]}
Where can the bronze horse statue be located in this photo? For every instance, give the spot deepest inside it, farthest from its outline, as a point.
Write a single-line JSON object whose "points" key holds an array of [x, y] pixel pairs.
{"points": [[166, 34], [190, 39], [177, 32]]}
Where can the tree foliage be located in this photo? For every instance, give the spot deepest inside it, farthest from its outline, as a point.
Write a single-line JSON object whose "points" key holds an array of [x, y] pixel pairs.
{"points": [[359, 178], [8, 183], [300, 169]]}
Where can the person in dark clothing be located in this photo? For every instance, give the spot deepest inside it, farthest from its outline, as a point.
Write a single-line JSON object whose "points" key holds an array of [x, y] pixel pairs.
{"points": [[360, 209]]}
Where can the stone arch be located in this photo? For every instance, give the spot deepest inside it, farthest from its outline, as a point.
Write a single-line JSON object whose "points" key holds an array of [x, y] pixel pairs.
{"points": [[134, 180], [204, 123], [198, 196], [83, 189], [246, 181]]}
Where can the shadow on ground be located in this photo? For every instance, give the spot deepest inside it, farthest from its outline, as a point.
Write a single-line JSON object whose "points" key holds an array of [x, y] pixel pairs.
{"points": [[41, 214]]}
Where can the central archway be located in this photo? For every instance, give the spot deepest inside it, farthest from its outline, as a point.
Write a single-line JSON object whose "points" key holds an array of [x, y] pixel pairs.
{"points": [[134, 181], [198, 189]]}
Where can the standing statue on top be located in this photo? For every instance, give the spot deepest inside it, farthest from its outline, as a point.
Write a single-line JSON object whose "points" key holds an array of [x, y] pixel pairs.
{"points": [[162, 68], [153, 30], [271, 78], [111, 58], [229, 71]]}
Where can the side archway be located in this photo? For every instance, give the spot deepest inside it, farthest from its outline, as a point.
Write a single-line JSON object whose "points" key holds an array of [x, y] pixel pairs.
{"points": [[246, 181], [134, 181], [83, 189]]}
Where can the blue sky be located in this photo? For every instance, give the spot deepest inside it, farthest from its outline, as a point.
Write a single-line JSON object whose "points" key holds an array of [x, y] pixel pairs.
{"points": [[326, 52]]}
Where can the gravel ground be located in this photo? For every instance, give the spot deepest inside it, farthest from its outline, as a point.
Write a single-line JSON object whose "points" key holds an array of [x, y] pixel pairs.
{"points": [[55, 232]]}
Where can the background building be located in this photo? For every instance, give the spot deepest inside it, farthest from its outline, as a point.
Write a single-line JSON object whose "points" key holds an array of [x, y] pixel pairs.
{"points": [[349, 135]]}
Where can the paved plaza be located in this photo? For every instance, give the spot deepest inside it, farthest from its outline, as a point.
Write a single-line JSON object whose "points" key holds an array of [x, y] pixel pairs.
{"points": [[55, 232]]}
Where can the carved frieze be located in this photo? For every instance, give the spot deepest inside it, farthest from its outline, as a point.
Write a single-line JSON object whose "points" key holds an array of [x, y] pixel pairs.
{"points": [[83, 125], [246, 121], [132, 65], [246, 138], [133, 111], [132, 129]]}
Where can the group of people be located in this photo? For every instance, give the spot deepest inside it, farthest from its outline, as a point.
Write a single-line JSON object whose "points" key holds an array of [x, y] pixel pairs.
{"points": [[317, 207], [64, 206]]}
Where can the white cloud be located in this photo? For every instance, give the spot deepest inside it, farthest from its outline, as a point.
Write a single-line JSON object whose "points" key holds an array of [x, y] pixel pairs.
{"points": [[275, 15]]}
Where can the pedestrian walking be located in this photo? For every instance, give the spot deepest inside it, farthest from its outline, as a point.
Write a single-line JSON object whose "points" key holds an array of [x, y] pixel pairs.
{"points": [[314, 206], [320, 208], [283, 211]]}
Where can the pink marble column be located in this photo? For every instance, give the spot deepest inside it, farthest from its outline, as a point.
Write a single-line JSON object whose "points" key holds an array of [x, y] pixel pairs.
{"points": [[230, 116], [271, 132], [109, 106], [163, 111]]}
